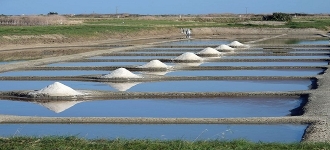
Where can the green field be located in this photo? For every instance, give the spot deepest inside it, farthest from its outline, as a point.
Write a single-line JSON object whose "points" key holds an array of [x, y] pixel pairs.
{"points": [[98, 27], [34, 143]]}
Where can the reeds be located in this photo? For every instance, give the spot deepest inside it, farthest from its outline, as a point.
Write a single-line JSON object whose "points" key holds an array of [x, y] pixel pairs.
{"points": [[32, 20]]}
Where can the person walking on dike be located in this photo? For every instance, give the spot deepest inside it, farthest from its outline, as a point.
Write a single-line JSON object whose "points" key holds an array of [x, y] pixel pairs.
{"points": [[188, 33]]}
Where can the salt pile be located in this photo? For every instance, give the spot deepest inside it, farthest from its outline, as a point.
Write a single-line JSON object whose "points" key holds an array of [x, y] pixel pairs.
{"points": [[155, 64], [121, 73], [188, 56], [224, 47], [57, 89], [237, 44], [209, 50]]}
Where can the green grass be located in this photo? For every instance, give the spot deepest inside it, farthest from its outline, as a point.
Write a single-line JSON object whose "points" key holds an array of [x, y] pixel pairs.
{"points": [[72, 142], [321, 24], [67, 30], [98, 27]]}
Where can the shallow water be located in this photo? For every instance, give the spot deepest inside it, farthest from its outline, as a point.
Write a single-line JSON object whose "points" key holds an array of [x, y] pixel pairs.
{"points": [[160, 49], [285, 133], [296, 41], [169, 86], [306, 72], [198, 42], [156, 52], [52, 73], [311, 51], [3, 62], [321, 63], [8, 62], [314, 42], [223, 107], [310, 72], [89, 64], [132, 57], [199, 107], [205, 63], [275, 57]]}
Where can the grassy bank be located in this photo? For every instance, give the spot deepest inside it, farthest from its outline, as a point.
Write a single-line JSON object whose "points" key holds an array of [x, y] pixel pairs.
{"points": [[322, 24], [78, 143], [85, 30], [94, 27]]}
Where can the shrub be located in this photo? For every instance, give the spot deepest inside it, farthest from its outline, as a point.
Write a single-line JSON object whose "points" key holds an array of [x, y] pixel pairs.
{"points": [[278, 17]]}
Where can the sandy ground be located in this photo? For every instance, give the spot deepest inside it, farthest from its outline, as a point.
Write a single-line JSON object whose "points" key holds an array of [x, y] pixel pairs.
{"points": [[316, 112]]}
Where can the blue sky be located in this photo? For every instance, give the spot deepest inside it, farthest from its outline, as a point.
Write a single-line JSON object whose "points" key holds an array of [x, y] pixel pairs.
{"points": [[35, 7]]}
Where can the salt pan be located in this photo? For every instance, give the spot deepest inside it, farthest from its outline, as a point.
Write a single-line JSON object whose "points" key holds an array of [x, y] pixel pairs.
{"points": [[57, 89], [155, 64], [209, 50], [188, 56], [121, 73]]}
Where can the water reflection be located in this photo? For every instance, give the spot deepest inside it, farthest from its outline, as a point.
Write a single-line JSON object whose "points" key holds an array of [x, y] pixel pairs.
{"points": [[220, 107], [173, 86], [122, 86], [158, 73], [181, 65], [284, 133], [59, 106]]}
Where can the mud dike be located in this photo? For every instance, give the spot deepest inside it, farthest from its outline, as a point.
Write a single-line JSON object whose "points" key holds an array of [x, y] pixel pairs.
{"points": [[313, 110]]}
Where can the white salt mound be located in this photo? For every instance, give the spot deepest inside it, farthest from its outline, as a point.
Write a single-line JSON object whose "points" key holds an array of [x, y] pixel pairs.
{"points": [[155, 64], [188, 56], [58, 89], [121, 73], [209, 50], [237, 44], [224, 47]]}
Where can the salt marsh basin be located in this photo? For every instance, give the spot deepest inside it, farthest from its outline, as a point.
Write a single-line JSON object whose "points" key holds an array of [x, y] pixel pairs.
{"points": [[302, 122]]}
